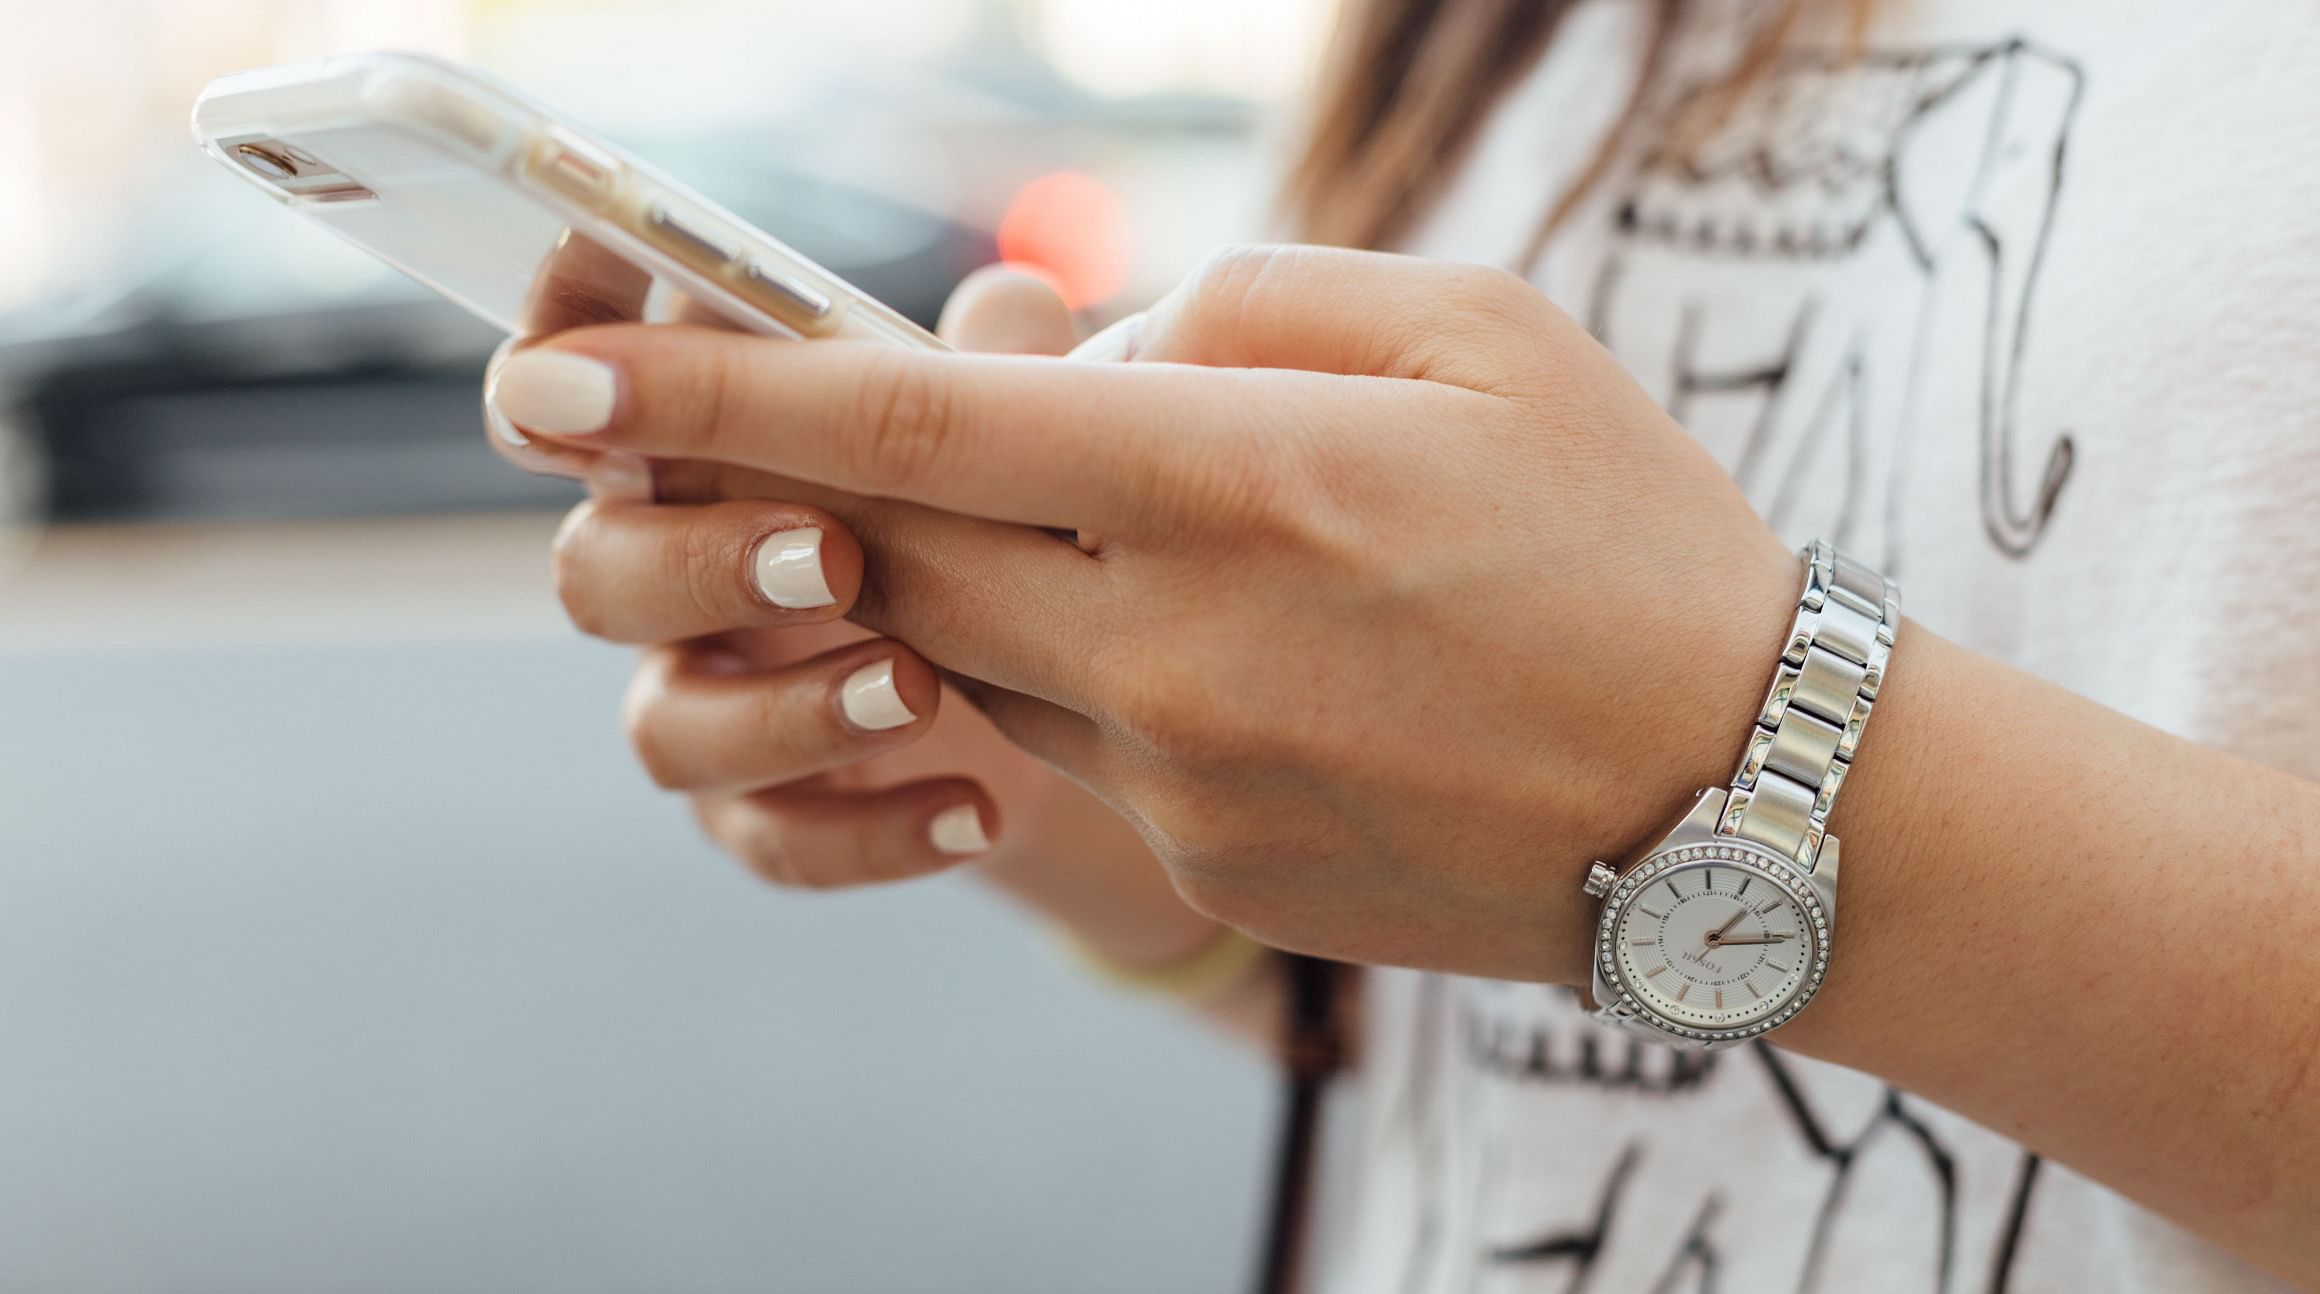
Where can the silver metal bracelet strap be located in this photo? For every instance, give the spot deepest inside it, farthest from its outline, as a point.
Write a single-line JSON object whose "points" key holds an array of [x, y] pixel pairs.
{"points": [[1821, 695]]}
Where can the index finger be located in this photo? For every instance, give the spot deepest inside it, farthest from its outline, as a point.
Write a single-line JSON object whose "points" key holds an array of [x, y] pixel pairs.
{"points": [[1040, 441]]}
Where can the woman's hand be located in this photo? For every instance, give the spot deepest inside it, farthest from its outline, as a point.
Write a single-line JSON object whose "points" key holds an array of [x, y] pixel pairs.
{"points": [[1398, 602], [820, 755], [1394, 600]]}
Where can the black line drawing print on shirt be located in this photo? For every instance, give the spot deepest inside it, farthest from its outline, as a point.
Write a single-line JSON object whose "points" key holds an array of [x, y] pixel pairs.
{"points": [[1968, 1239], [1823, 170]]}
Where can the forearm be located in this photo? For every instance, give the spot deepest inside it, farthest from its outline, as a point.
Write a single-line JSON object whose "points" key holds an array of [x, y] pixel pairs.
{"points": [[2089, 935]]}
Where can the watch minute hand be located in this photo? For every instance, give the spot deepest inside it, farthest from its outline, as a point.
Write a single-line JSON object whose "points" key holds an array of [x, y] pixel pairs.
{"points": [[1716, 936], [1756, 939]]}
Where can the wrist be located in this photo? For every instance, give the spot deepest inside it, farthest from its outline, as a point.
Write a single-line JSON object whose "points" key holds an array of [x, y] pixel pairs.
{"points": [[1720, 928], [1892, 836], [1680, 726], [1221, 961], [1687, 722]]}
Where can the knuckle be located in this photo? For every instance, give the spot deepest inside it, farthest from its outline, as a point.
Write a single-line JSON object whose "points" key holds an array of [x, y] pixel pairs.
{"points": [[709, 562], [903, 425], [797, 860], [792, 871], [792, 731], [1215, 299], [703, 394], [648, 737], [1492, 326], [759, 838], [1479, 325], [652, 753], [767, 851], [870, 856], [1231, 273], [1487, 291], [573, 570], [1282, 497]]}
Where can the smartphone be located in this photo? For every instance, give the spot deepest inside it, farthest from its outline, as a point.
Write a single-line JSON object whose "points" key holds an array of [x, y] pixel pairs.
{"points": [[493, 201]]}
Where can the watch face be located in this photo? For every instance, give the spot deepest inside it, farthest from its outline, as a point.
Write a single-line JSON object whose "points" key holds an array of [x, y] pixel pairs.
{"points": [[1715, 941]]}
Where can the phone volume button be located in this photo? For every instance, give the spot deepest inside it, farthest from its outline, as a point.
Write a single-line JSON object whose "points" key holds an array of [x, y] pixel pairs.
{"points": [[673, 231], [796, 305]]}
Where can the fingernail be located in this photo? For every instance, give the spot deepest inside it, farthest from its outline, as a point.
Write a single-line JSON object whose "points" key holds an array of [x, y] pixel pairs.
{"points": [[625, 477], [789, 572], [503, 430], [555, 393], [958, 830], [869, 699]]}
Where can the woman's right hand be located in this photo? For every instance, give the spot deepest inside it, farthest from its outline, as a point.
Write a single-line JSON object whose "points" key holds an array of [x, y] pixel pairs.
{"points": [[822, 756]]}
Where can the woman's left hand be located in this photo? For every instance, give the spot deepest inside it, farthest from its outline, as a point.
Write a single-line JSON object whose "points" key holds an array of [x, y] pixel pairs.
{"points": [[1393, 601]]}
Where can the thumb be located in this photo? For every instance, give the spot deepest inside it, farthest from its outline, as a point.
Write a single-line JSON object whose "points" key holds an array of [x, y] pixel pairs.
{"points": [[1004, 309]]}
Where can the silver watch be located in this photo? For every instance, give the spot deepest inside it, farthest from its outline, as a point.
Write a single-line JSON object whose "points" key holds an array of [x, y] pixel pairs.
{"points": [[1720, 930]]}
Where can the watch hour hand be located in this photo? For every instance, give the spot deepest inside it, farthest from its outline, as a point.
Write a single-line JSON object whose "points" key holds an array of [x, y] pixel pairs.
{"points": [[1716, 936]]}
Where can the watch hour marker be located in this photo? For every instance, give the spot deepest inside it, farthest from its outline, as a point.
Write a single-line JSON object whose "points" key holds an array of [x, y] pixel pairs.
{"points": [[1641, 943], [1783, 970], [1742, 892], [1769, 905], [1708, 881], [1672, 888], [1719, 999], [1683, 989], [1752, 990], [1656, 971], [1649, 913]]}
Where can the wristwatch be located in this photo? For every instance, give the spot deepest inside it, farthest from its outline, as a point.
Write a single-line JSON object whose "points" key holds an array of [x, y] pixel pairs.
{"points": [[1720, 931]]}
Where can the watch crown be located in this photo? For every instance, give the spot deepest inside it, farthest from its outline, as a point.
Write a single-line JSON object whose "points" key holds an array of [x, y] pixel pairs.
{"points": [[1599, 879]]}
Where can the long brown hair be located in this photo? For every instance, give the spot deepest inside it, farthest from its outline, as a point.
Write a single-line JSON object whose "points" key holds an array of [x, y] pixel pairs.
{"points": [[1409, 83]]}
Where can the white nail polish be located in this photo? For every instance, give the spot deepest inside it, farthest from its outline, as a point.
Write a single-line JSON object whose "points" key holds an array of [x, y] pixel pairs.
{"points": [[555, 393], [503, 430], [627, 478], [870, 700], [789, 569], [958, 831]]}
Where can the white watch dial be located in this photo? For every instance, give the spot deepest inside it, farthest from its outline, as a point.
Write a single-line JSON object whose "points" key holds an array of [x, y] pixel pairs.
{"points": [[1715, 943]]}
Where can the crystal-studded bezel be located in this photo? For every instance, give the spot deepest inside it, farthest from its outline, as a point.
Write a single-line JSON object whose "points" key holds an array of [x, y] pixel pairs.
{"points": [[1757, 862]]}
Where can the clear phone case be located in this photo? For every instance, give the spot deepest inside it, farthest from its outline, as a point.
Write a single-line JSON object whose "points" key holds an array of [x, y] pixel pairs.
{"points": [[483, 195]]}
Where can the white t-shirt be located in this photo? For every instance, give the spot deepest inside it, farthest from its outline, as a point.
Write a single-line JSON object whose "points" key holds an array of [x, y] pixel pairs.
{"points": [[2023, 304]]}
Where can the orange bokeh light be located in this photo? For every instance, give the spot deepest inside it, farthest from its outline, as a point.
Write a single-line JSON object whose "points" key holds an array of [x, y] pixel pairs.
{"points": [[1075, 229]]}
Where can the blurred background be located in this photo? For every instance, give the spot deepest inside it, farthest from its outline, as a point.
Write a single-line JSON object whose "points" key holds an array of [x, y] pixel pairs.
{"points": [[341, 946]]}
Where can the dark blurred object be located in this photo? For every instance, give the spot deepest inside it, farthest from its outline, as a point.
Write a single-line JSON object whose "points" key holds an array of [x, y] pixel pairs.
{"points": [[327, 412], [249, 367]]}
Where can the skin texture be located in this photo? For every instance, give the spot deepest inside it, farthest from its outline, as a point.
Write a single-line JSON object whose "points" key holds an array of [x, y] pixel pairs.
{"points": [[734, 703], [1379, 600]]}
